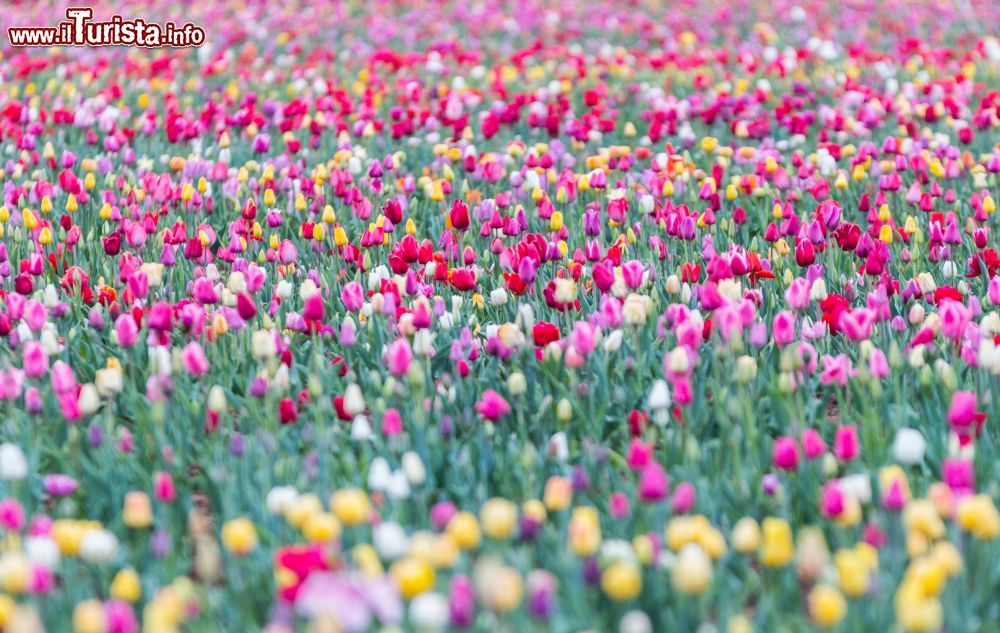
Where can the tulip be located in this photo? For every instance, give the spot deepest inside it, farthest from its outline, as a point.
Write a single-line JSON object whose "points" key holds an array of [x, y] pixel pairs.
{"points": [[287, 411], [239, 536], [812, 444], [492, 406], [60, 485], [137, 512], [163, 487], [978, 515], [827, 606], [692, 571], [964, 419], [783, 328], [684, 498], [461, 602], [846, 445], [399, 357], [908, 446], [34, 360], [126, 330], [195, 361], [776, 548], [653, 482], [621, 581], [498, 518], [786, 453], [352, 296]]}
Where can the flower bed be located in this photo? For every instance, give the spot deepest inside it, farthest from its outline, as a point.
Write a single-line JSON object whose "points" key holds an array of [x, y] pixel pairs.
{"points": [[546, 317]]}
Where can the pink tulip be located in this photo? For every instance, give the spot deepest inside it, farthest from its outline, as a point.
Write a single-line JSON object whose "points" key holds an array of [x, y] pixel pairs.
{"points": [[204, 291], [255, 278], [654, 484], [812, 444], [261, 143], [846, 445], [574, 359], [959, 475], [127, 330], [832, 500], [797, 295], [63, 380], [15, 305], [894, 498], [492, 406], [287, 252], [786, 453], [683, 499], [582, 337], [60, 485], [807, 357], [617, 208], [160, 316], [194, 359], [857, 324], [963, 408], [632, 272], [640, 454], [461, 602], [683, 392], [964, 419], [12, 515], [783, 328], [348, 333], [878, 366], [993, 292], [163, 487], [41, 580], [399, 357], [11, 382], [599, 180], [41, 525], [314, 309], [34, 360], [392, 423], [135, 235], [618, 505], [954, 318], [442, 513], [836, 370], [352, 294], [120, 617], [35, 315], [32, 400], [69, 406]]}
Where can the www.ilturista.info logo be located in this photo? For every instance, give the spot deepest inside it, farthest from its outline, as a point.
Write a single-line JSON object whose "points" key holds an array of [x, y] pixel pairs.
{"points": [[79, 29]]}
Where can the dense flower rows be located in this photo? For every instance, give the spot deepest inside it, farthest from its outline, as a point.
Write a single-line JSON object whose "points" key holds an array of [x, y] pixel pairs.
{"points": [[504, 317]]}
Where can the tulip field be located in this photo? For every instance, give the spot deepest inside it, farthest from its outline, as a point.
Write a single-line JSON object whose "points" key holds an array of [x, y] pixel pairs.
{"points": [[500, 316]]}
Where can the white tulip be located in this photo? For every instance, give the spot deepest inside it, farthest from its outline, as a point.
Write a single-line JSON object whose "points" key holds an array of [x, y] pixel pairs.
{"points": [[414, 469], [635, 621], [908, 447], [354, 402], [379, 473], [398, 486], [98, 546], [429, 612], [659, 396], [13, 464], [390, 540], [42, 551], [280, 498]]}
